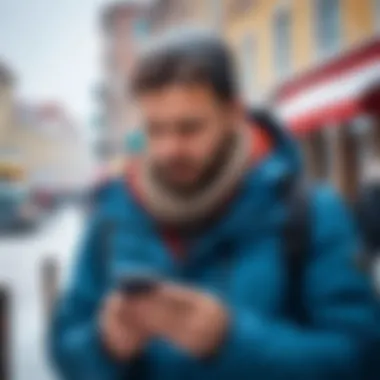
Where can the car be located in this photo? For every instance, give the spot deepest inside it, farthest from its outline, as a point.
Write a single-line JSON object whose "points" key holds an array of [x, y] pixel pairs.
{"points": [[18, 210]]}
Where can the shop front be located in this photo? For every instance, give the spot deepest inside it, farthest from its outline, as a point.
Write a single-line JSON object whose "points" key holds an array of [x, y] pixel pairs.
{"points": [[334, 110]]}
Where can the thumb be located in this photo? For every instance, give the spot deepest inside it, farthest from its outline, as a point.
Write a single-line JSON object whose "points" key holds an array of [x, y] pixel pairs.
{"points": [[176, 296]]}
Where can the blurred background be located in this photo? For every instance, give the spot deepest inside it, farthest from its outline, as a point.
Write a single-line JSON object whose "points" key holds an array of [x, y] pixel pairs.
{"points": [[68, 124]]}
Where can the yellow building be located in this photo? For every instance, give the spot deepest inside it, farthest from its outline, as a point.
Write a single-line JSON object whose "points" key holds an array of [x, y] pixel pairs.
{"points": [[48, 149], [6, 102], [285, 38], [168, 14], [318, 63]]}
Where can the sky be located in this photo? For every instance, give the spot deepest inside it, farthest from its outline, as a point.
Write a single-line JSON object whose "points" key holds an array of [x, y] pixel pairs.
{"points": [[53, 47]]}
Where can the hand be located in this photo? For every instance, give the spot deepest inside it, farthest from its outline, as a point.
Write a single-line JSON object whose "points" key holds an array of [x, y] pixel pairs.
{"points": [[121, 334], [193, 321]]}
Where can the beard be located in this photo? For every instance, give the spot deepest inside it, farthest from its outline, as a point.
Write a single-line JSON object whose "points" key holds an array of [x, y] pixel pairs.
{"points": [[212, 169]]}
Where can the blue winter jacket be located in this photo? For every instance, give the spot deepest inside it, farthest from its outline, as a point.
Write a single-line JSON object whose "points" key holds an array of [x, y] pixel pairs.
{"points": [[263, 343]]}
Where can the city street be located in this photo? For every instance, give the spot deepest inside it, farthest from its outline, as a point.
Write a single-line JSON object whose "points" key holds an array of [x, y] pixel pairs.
{"points": [[21, 261]]}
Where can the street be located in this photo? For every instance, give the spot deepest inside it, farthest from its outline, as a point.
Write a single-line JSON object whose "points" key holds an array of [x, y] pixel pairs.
{"points": [[21, 260]]}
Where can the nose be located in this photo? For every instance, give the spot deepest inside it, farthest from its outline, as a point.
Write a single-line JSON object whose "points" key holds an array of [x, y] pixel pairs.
{"points": [[172, 145]]}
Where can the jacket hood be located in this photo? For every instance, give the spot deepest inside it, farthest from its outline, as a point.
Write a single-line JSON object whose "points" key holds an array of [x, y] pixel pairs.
{"points": [[276, 159], [261, 194], [259, 197], [284, 146]]}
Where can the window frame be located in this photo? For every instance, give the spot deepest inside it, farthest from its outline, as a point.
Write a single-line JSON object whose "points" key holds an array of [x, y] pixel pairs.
{"points": [[216, 11], [282, 8], [376, 12], [249, 65], [237, 8], [323, 53]]}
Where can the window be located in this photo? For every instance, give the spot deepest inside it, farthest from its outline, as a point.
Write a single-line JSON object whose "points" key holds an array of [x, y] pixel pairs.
{"points": [[327, 26], [362, 129], [217, 13], [140, 29], [319, 155], [330, 132], [239, 7], [282, 42], [350, 161], [377, 13], [248, 67]]}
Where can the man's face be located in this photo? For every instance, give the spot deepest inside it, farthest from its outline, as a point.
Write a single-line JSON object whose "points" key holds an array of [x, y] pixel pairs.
{"points": [[186, 128]]}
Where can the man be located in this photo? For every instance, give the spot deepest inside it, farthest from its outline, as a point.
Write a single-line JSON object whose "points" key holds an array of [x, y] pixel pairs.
{"points": [[204, 212]]}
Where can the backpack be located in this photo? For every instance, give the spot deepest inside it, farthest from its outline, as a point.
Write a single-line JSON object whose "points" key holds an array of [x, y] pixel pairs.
{"points": [[367, 210], [296, 233], [296, 241]]}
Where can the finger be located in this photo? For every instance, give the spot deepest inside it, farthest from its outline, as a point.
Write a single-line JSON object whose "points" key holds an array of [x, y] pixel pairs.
{"points": [[152, 313], [115, 304], [175, 291], [178, 298], [157, 318], [170, 305], [125, 343], [165, 312], [115, 326]]}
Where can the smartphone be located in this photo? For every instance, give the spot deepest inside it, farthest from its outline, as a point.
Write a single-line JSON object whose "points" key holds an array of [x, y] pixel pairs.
{"points": [[137, 285]]}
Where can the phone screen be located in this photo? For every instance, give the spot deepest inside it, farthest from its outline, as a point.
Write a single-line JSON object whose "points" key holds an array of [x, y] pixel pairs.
{"points": [[138, 285]]}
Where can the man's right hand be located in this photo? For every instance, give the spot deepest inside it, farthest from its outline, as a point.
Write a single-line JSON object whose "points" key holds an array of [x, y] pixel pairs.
{"points": [[121, 336]]}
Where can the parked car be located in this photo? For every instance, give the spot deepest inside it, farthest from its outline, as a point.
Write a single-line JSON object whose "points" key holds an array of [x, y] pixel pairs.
{"points": [[18, 207]]}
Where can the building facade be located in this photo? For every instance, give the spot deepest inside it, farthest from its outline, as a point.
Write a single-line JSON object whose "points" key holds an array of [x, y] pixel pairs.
{"points": [[124, 27], [44, 139], [166, 14], [6, 102], [289, 37], [318, 62], [315, 61]]}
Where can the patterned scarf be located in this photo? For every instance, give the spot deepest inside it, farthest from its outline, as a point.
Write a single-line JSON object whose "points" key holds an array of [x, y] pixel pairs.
{"points": [[171, 209]]}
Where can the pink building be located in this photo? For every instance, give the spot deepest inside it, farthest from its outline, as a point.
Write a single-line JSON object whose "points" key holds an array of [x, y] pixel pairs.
{"points": [[124, 24]]}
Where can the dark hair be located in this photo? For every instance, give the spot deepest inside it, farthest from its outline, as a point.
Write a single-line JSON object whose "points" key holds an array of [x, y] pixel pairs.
{"points": [[190, 56]]}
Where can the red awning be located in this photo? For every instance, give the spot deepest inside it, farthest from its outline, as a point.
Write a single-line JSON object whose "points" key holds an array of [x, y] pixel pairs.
{"points": [[334, 92]]}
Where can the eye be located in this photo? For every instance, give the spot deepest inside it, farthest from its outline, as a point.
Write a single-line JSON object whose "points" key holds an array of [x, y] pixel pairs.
{"points": [[191, 126]]}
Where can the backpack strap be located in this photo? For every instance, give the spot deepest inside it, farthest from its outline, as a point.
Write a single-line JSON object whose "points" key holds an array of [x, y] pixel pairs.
{"points": [[296, 246], [106, 232]]}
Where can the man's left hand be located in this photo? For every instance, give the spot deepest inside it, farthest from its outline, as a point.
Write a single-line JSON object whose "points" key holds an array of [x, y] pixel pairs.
{"points": [[194, 321]]}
